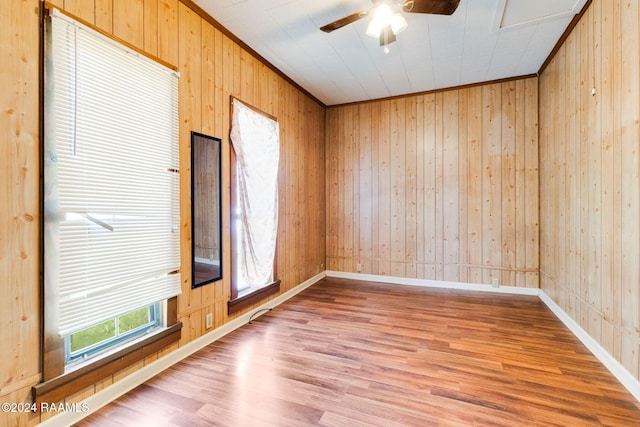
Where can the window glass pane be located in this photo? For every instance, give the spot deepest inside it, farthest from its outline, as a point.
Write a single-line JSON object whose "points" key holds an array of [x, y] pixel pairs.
{"points": [[93, 335], [110, 333], [133, 320]]}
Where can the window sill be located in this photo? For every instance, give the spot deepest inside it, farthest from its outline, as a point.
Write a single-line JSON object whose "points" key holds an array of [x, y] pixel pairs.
{"points": [[247, 300], [79, 377]]}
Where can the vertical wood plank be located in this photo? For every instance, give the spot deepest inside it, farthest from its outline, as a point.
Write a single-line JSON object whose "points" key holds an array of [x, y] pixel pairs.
{"points": [[365, 192], [128, 21], [83, 9], [572, 153], [439, 185], [474, 197], [20, 200], [630, 179], [450, 187], [375, 187], [606, 153], [411, 212], [104, 15], [520, 173], [558, 208], [224, 67], [384, 187], [617, 84], [429, 209], [585, 79], [208, 113], [508, 176], [463, 176], [353, 183], [420, 187], [332, 189], [532, 221], [168, 30], [398, 182], [491, 181], [594, 258], [190, 67], [346, 193], [151, 26]]}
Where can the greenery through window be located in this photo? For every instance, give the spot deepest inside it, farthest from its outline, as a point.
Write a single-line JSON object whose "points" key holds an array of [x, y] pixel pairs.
{"points": [[96, 338]]}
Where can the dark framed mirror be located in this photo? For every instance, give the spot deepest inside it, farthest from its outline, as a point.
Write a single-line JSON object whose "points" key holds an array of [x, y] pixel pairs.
{"points": [[206, 210]]}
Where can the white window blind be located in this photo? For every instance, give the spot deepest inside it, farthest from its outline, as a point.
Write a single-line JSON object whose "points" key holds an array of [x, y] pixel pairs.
{"points": [[111, 189]]}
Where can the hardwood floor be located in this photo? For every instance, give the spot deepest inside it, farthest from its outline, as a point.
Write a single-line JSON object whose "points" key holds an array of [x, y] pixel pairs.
{"points": [[205, 272], [347, 353]]}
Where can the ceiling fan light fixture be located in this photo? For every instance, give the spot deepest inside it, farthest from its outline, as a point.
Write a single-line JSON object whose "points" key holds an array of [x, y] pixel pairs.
{"points": [[374, 29], [398, 23], [382, 17], [387, 37]]}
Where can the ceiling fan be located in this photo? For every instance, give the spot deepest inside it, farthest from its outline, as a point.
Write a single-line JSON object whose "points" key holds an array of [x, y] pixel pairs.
{"points": [[387, 20]]}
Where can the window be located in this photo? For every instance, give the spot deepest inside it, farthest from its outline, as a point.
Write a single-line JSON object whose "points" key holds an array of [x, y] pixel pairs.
{"points": [[254, 207], [85, 343], [111, 208]]}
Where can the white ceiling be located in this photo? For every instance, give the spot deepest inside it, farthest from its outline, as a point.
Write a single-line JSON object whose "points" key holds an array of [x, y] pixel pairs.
{"points": [[483, 40]]}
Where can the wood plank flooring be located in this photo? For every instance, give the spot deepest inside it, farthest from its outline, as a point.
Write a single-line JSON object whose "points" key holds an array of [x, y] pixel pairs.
{"points": [[349, 353], [205, 272]]}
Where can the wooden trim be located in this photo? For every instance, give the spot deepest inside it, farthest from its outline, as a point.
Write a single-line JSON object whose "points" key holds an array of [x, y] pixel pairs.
{"points": [[233, 202], [204, 15], [49, 8], [428, 92], [58, 388], [563, 37], [52, 353], [172, 311], [245, 301]]}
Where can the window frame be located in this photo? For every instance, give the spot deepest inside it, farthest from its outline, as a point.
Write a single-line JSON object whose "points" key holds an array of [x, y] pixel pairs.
{"points": [[119, 338], [60, 380], [239, 302]]}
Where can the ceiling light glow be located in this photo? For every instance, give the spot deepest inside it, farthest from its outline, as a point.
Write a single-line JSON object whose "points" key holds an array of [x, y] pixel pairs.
{"points": [[386, 24], [382, 17]]}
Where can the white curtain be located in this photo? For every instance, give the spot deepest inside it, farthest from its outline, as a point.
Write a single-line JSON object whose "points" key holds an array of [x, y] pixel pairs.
{"points": [[256, 143]]}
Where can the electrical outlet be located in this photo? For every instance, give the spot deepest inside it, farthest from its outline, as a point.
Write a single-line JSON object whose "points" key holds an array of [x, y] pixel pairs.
{"points": [[358, 267], [322, 266], [495, 282], [208, 321]]}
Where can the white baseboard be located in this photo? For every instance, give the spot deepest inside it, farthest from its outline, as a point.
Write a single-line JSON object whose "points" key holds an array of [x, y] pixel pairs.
{"points": [[128, 383], [434, 283], [618, 371]]}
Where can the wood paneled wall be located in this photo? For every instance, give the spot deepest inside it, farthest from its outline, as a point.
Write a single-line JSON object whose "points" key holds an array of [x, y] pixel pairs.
{"points": [[439, 186], [19, 205], [590, 184], [213, 67]]}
